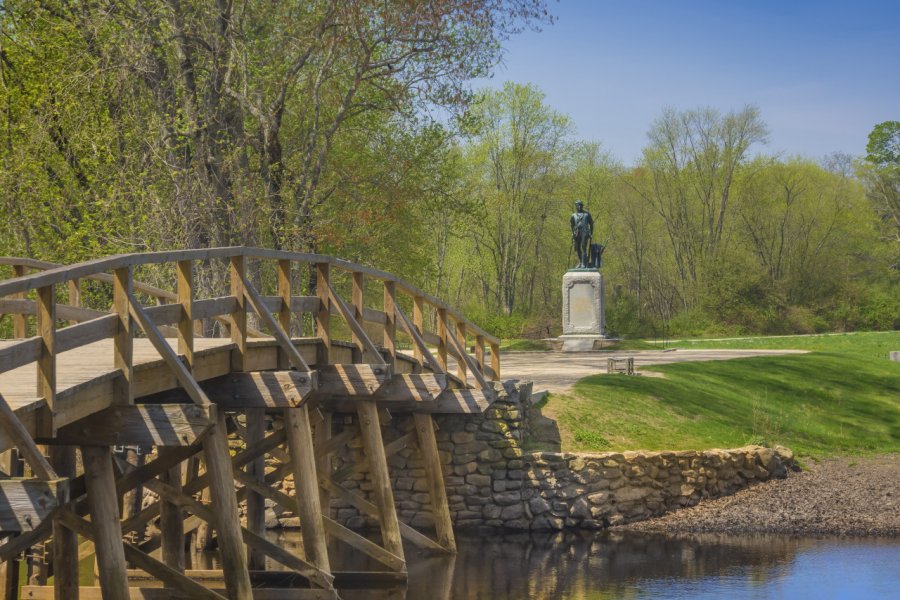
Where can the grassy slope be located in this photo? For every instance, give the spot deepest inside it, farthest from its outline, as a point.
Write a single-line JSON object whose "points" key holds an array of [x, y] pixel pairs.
{"points": [[844, 398]]}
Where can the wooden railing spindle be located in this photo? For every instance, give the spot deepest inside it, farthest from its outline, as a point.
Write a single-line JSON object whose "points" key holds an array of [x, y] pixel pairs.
{"points": [[123, 342], [20, 321], [239, 316], [442, 332], [389, 340], [357, 297], [323, 315], [186, 322], [461, 338], [284, 313], [419, 324]]}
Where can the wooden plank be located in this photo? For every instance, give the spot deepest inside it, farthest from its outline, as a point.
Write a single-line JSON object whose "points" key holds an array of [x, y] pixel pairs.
{"points": [[389, 339], [185, 274], [46, 362], [284, 311], [20, 354], [459, 401], [463, 357], [371, 315], [74, 286], [357, 299], [460, 340], [373, 444], [140, 425], [32, 592], [421, 350], [26, 503], [82, 334], [264, 389], [20, 322], [65, 541], [479, 352], [323, 315], [305, 304], [440, 507], [367, 508], [143, 561], [214, 307], [364, 344], [104, 528], [168, 355], [123, 341], [495, 361], [331, 526], [351, 380], [24, 442], [239, 315], [403, 392], [324, 435], [171, 519], [418, 321], [9, 569], [300, 444], [443, 334], [283, 339], [164, 314], [256, 470], [220, 474], [361, 580]]}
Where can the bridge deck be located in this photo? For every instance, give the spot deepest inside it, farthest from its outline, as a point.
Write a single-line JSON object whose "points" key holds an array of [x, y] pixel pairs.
{"points": [[82, 365]]}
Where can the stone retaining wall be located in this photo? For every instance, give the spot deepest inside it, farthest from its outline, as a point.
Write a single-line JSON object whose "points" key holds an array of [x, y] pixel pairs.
{"points": [[491, 481]]}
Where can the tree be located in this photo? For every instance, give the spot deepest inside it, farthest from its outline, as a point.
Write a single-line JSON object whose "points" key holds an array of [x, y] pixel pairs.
{"points": [[692, 159], [517, 155], [881, 175]]}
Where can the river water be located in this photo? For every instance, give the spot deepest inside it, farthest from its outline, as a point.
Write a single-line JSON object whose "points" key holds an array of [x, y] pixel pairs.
{"points": [[631, 565], [581, 566]]}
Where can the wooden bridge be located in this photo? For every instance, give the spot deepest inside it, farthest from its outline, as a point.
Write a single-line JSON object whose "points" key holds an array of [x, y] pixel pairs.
{"points": [[227, 418]]}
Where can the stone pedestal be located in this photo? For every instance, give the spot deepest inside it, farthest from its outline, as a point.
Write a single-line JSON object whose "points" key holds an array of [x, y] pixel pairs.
{"points": [[583, 315]]}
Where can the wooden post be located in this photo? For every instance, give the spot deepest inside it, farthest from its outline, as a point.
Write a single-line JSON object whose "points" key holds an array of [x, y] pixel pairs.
{"points": [[228, 523], [495, 361], [171, 519], [373, 445], [186, 322], [323, 315], [461, 362], [74, 295], [104, 506], [256, 504], [306, 485], [284, 314], [239, 316], [389, 340], [479, 352], [20, 321], [46, 364], [133, 500], [357, 296], [123, 342], [440, 507], [419, 324], [10, 569], [323, 458], [442, 333], [65, 541]]}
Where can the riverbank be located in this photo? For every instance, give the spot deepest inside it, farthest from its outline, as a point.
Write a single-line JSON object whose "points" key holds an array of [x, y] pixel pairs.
{"points": [[850, 496]]}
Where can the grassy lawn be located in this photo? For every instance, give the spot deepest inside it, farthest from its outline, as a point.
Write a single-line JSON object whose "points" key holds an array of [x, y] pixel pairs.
{"points": [[843, 398]]}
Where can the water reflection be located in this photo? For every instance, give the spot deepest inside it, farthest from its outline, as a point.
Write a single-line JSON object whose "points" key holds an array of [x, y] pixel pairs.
{"points": [[573, 566], [595, 566]]}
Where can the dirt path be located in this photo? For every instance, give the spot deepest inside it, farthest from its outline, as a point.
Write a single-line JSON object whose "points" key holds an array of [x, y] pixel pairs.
{"points": [[557, 371], [839, 496]]}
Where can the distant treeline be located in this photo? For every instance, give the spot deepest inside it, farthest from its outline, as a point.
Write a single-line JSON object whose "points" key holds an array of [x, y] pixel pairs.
{"points": [[350, 128]]}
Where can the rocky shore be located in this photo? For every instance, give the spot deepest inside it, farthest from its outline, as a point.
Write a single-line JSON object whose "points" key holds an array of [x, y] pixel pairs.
{"points": [[854, 496]]}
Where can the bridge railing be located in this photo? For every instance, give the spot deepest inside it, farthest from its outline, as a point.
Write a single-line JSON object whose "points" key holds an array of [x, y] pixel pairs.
{"points": [[181, 310]]}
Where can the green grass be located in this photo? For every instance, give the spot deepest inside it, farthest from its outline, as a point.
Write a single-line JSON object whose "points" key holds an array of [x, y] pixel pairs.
{"points": [[523, 345], [864, 343], [817, 404]]}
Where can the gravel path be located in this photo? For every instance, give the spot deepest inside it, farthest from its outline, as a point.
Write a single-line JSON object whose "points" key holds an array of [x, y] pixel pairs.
{"points": [[839, 496], [557, 372]]}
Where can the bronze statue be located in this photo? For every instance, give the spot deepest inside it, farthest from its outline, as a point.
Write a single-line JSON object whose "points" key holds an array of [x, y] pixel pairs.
{"points": [[582, 235]]}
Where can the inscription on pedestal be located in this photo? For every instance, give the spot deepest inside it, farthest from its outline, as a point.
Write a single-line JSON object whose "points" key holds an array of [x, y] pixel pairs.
{"points": [[583, 303]]}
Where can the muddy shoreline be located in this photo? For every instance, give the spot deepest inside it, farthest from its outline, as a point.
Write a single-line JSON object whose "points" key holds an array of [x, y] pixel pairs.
{"points": [[849, 496]]}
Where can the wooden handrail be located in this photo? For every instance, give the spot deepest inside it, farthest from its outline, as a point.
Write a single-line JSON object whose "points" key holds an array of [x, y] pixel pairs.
{"points": [[53, 274]]}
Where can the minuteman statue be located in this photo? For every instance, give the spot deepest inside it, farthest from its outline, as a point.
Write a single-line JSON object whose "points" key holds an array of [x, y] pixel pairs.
{"points": [[582, 234]]}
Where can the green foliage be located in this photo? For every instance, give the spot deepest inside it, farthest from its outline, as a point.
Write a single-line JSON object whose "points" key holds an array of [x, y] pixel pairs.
{"points": [[883, 148]]}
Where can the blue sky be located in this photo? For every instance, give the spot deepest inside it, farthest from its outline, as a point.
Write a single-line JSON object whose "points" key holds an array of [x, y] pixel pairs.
{"points": [[822, 73]]}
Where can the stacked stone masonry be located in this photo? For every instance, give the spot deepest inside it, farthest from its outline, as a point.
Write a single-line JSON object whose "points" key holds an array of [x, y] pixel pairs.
{"points": [[491, 481]]}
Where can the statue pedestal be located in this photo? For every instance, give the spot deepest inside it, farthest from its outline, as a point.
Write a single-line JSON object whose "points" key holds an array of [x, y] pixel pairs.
{"points": [[583, 315]]}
